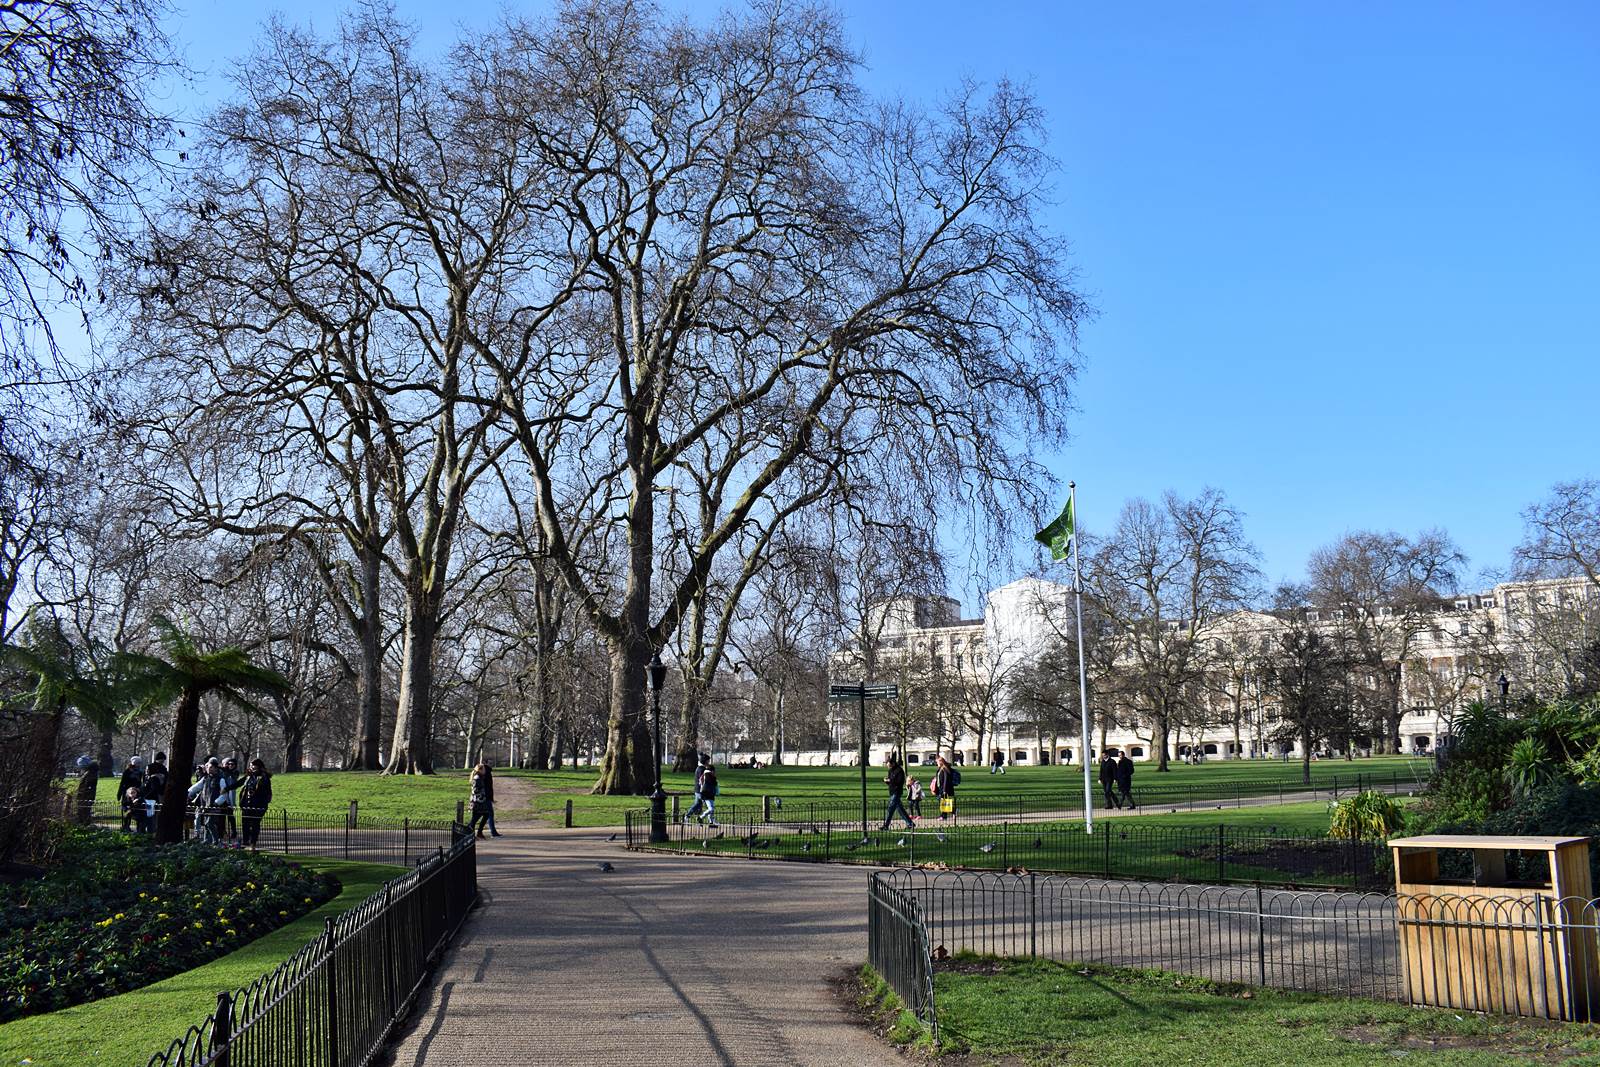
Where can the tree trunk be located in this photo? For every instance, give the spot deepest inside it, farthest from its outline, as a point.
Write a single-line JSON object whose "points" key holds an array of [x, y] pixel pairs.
{"points": [[180, 767], [687, 752], [777, 731], [1161, 733], [413, 729], [294, 751], [626, 766], [369, 685], [1305, 756], [105, 755]]}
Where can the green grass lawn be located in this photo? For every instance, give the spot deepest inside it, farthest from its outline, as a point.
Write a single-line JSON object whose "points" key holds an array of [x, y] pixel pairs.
{"points": [[125, 1030], [1179, 847], [1042, 1013], [434, 796]]}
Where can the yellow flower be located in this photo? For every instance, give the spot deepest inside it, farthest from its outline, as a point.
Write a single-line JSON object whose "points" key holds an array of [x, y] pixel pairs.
{"points": [[199, 926], [107, 922], [142, 896], [119, 915], [162, 915], [233, 933]]}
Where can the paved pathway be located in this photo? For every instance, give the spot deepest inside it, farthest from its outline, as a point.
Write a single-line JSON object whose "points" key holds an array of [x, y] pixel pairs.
{"points": [[677, 960]]}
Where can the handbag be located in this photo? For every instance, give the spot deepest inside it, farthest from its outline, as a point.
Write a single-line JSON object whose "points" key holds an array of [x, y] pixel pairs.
{"points": [[947, 805]]}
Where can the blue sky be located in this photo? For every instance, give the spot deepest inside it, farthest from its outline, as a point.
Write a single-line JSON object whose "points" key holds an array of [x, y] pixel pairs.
{"points": [[1346, 256]]}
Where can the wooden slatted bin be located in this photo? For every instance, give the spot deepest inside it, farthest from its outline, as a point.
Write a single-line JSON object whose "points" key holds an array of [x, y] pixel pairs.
{"points": [[1493, 943]]}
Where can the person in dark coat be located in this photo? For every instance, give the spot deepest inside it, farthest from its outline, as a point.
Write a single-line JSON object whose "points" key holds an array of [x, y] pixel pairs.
{"points": [[482, 798], [896, 781], [255, 797], [130, 790], [1125, 781], [1108, 779]]}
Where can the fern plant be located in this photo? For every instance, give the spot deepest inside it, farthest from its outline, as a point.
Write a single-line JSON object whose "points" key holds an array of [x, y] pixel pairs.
{"points": [[1367, 816]]}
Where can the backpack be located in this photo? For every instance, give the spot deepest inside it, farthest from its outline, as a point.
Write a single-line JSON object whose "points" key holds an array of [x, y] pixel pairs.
{"points": [[708, 784], [955, 777]]}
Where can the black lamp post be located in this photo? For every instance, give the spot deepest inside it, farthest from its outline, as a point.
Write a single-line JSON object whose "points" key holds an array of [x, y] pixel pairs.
{"points": [[658, 799], [1505, 688]]}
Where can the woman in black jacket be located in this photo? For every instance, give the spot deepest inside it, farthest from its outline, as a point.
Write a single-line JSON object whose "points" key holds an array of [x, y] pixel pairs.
{"points": [[255, 796]]}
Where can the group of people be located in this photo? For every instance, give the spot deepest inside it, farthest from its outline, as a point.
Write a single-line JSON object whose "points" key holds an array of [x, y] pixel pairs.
{"points": [[227, 807], [1116, 778], [906, 794]]}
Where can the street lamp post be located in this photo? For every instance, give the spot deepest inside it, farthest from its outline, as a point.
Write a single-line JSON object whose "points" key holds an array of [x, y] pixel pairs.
{"points": [[1505, 688], [658, 798]]}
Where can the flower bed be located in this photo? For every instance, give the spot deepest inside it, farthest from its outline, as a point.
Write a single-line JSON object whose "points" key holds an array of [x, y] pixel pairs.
{"points": [[117, 912]]}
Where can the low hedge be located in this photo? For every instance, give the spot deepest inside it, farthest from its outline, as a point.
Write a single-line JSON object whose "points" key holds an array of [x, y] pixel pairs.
{"points": [[116, 912]]}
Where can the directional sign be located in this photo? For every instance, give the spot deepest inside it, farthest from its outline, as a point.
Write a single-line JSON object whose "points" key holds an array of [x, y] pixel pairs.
{"points": [[853, 691]]}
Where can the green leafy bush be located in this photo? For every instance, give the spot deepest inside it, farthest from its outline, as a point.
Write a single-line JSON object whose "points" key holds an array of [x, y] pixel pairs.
{"points": [[117, 912], [1367, 816]]}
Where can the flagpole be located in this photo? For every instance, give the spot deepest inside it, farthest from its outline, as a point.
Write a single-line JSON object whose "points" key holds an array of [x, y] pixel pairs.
{"points": [[1083, 678]]}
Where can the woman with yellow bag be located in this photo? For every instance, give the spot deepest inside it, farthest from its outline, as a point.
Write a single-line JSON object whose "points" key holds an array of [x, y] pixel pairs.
{"points": [[945, 781]]}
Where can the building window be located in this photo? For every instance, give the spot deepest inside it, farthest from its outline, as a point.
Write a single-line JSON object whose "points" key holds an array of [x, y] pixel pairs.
{"points": [[1136, 752], [912, 757], [1019, 756]]}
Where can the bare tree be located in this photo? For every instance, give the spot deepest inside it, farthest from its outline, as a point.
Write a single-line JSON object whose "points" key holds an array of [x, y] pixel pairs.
{"points": [[1164, 578], [1383, 592], [79, 135], [742, 242]]}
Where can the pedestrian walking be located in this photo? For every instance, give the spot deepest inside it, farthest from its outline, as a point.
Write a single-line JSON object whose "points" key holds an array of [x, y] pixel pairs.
{"points": [[699, 796], [708, 793], [896, 781], [130, 791], [230, 782], [255, 796], [203, 794], [945, 780], [1125, 781], [1108, 778], [997, 762], [482, 798], [493, 830], [914, 798], [153, 790]]}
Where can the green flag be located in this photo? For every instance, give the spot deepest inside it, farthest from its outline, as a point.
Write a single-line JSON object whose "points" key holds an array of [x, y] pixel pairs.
{"points": [[1058, 535]]}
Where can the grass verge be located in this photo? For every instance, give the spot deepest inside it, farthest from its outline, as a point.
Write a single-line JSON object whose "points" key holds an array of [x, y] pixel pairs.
{"points": [[1042, 1013], [125, 1030], [892, 1019]]}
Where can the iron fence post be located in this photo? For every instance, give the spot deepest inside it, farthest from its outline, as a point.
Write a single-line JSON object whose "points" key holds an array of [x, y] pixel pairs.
{"points": [[347, 839], [333, 993], [388, 946], [285, 831], [1005, 845], [406, 839], [1261, 935], [1222, 852], [1033, 915], [221, 1030], [1107, 846], [827, 843]]}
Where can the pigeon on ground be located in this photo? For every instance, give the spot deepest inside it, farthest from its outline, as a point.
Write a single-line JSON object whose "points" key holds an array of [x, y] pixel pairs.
{"points": [[777, 802], [989, 847], [613, 837], [1038, 842], [901, 842], [852, 848], [939, 838], [749, 840], [719, 833], [604, 866], [764, 843], [806, 847]]}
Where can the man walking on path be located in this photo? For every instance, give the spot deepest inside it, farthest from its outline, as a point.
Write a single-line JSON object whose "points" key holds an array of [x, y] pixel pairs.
{"points": [[1108, 779], [1125, 781], [699, 792], [708, 792], [896, 781]]}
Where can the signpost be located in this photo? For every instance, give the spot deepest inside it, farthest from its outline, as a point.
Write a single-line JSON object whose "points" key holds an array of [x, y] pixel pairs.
{"points": [[861, 692]]}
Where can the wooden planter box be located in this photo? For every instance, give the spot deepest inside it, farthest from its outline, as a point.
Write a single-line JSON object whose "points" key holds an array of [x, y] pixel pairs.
{"points": [[1492, 944]]}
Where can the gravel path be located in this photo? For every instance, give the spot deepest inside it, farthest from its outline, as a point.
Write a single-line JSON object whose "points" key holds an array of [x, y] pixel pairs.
{"points": [[683, 960]]}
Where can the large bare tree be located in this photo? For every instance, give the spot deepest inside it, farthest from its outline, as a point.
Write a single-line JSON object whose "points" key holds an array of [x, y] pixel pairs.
{"points": [[1164, 578], [734, 237], [1383, 593]]}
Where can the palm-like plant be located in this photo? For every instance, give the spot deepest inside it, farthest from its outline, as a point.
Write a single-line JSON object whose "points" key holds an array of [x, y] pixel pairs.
{"points": [[186, 673], [1367, 816], [1529, 766], [59, 674]]}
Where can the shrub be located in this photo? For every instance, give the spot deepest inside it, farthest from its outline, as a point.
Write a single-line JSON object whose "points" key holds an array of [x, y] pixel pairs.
{"points": [[1367, 816], [118, 912]]}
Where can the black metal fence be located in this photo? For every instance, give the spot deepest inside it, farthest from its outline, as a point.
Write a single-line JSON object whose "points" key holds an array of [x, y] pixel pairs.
{"points": [[898, 949], [1214, 794], [334, 1002], [1515, 955], [340, 836], [1218, 854]]}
